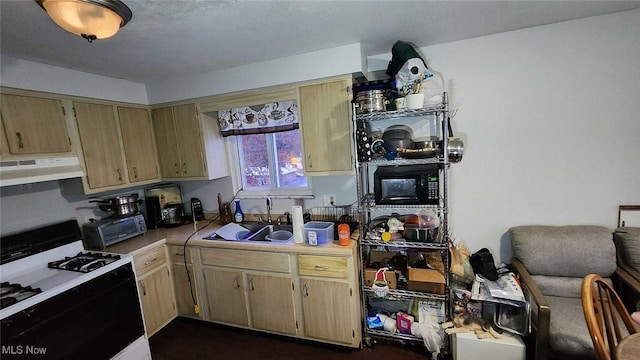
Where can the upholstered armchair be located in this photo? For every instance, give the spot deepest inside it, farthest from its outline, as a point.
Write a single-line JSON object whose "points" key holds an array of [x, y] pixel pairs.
{"points": [[627, 240], [552, 261]]}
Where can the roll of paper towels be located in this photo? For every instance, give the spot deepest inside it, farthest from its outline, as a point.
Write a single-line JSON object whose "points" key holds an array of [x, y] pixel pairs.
{"points": [[298, 224]]}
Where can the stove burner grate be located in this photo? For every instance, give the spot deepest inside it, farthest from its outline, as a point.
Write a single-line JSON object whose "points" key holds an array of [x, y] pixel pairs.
{"points": [[14, 293], [84, 262]]}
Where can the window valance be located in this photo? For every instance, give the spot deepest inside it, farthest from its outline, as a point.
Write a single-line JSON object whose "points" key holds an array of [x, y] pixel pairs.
{"points": [[259, 119]]}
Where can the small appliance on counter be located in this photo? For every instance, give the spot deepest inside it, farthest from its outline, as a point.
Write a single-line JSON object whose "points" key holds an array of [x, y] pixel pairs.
{"points": [[197, 212], [164, 206], [98, 234], [172, 215]]}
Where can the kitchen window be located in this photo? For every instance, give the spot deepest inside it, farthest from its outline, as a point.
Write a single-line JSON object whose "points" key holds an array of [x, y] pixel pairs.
{"points": [[271, 161], [265, 146]]}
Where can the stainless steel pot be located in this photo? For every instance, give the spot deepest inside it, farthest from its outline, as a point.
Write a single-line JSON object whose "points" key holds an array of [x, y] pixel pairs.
{"points": [[121, 206], [371, 101], [455, 150]]}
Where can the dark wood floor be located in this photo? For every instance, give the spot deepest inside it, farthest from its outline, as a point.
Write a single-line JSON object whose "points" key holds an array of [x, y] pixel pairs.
{"points": [[186, 339]]}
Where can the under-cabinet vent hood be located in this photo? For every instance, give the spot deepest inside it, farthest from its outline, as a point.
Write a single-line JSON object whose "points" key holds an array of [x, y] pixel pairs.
{"points": [[26, 171]]}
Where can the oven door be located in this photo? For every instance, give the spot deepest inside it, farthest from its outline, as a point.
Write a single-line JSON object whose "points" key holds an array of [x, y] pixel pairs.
{"points": [[94, 320]]}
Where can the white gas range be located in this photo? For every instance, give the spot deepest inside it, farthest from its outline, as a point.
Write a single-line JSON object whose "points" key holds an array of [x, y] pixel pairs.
{"points": [[58, 297]]}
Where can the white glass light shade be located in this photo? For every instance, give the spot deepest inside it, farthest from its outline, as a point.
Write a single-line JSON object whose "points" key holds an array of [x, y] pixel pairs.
{"points": [[81, 17]]}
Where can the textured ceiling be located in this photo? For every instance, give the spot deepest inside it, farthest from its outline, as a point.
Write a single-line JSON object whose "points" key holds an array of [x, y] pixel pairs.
{"points": [[168, 38]]}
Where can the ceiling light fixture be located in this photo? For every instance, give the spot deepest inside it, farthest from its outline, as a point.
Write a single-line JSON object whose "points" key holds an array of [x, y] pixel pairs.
{"points": [[91, 19]]}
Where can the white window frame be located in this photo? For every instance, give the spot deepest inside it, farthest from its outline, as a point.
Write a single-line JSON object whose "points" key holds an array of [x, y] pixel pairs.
{"points": [[236, 178]]}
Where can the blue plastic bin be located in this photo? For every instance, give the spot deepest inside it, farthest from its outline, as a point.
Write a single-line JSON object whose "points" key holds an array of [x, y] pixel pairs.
{"points": [[318, 233]]}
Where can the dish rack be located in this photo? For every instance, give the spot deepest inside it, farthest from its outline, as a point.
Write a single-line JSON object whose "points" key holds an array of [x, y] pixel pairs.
{"points": [[346, 213]]}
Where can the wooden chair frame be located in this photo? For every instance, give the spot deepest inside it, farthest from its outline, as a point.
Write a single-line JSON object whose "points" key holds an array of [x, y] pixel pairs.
{"points": [[605, 315]]}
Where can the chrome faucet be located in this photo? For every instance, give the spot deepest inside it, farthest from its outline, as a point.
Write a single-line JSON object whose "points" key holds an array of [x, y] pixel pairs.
{"points": [[269, 206]]}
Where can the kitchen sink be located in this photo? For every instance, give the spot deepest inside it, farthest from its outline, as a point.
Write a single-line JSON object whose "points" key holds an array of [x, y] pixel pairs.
{"points": [[263, 233], [260, 232]]}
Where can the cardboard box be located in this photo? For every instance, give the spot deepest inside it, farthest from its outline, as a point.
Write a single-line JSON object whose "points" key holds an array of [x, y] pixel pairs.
{"points": [[434, 259], [426, 280], [381, 257], [370, 275]]}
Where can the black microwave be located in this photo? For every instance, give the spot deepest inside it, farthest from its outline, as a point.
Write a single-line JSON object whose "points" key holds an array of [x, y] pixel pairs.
{"points": [[407, 185]]}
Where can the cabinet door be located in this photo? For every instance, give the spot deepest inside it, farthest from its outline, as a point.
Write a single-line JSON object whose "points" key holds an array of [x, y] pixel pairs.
{"points": [[139, 148], [166, 142], [156, 295], [225, 296], [325, 124], [182, 288], [271, 303], [326, 310], [34, 125], [4, 145], [189, 137], [100, 144]]}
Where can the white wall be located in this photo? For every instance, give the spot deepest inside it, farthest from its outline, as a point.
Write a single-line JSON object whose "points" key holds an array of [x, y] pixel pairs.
{"points": [[315, 65], [23, 74], [550, 118]]}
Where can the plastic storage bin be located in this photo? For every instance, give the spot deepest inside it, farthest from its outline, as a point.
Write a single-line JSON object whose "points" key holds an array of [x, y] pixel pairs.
{"points": [[318, 232]]}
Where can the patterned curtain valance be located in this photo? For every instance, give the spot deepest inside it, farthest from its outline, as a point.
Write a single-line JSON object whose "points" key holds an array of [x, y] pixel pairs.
{"points": [[259, 119]]}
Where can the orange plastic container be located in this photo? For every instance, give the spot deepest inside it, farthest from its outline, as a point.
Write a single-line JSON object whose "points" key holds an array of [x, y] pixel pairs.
{"points": [[344, 235]]}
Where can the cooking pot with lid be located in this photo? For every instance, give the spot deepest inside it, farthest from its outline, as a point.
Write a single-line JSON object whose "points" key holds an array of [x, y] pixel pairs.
{"points": [[371, 101], [120, 206]]}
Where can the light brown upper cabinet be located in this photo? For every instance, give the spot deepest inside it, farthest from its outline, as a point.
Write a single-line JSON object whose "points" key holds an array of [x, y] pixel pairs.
{"points": [[139, 145], [118, 149], [34, 125], [189, 144], [325, 124], [101, 147]]}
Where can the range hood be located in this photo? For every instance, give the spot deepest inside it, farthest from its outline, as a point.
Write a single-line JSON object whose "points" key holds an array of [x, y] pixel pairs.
{"points": [[26, 171]]}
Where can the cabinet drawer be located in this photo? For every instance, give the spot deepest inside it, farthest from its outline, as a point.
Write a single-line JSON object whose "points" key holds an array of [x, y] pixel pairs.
{"points": [[149, 260], [325, 266], [250, 260], [178, 252]]}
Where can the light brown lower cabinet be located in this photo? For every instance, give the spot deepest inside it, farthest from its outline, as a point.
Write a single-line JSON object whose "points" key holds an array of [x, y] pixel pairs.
{"points": [[226, 296], [184, 285], [155, 287], [184, 301], [157, 303], [271, 303], [326, 310], [312, 295]]}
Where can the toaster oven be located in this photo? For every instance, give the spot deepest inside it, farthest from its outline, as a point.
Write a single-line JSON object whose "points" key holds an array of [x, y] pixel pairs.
{"points": [[101, 233]]}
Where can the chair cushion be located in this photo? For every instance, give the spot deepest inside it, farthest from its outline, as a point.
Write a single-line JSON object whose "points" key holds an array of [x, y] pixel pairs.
{"points": [[559, 285], [627, 240], [568, 331], [571, 251]]}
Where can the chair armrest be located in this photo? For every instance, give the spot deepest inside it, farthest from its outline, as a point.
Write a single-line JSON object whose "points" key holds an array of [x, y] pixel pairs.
{"points": [[629, 276], [542, 320]]}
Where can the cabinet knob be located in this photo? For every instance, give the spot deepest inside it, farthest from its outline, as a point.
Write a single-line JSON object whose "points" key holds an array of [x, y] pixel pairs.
{"points": [[120, 174], [237, 283], [135, 172]]}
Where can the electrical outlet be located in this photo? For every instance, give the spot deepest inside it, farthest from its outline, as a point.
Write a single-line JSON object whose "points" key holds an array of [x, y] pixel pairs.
{"points": [[329, 199]]}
